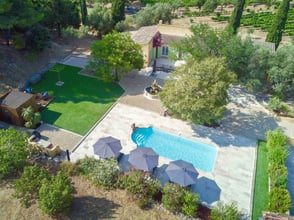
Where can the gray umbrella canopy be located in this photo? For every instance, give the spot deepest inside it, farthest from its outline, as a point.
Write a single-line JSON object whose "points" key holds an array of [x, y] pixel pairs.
{"points": [[208, 190], [107, 147], [181, 172], [143, 158]]}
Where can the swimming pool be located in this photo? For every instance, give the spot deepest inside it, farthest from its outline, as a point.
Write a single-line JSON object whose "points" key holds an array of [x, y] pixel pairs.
{"points": [[173, 147]]}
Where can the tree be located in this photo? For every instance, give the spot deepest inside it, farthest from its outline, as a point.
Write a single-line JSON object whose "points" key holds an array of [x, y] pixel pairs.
{"points": [[115, 55], [206, 42], [18, 13], [276, 31], [235, 19], [199, 4], [225, 211], [61, 13], [101, 19], [281, 72], [55, 194], [210, 5], [14, 151], [197, 91], [84, 12], [118, 10], [152, 14], [38, 37], [258, 67], [26, 188]]}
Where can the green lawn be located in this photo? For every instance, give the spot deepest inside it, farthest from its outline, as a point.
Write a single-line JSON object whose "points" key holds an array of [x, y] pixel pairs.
{"points": [[80, 102], [260, 198]]}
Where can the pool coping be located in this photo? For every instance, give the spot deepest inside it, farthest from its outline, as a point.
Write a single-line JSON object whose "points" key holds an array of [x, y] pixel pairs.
{"points": [[117, 123]]}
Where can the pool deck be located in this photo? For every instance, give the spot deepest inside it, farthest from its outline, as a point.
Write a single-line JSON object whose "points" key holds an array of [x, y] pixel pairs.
{"points": [[235, 162]]}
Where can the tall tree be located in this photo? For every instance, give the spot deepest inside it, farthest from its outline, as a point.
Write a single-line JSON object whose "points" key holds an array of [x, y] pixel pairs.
{"points": [[276, 31], [84, 12], [281, 73], [235, 19], [101, 19], [61, 13], [18, 13], [115, 55], [118, 10], [197, 91]]}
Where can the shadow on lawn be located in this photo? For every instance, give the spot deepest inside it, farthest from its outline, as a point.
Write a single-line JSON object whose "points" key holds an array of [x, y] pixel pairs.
{"points": [[89, 207], [238, 129]]}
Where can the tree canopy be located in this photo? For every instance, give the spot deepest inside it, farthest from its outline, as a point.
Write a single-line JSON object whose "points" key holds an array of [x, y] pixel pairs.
{"points": [[115, 55], [276, 31], [197, 91], [235, 19], [14, 151]]}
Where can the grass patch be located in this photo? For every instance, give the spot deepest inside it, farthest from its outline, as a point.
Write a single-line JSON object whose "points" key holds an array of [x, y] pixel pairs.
{"points": [[80, 102], [260, 197]]}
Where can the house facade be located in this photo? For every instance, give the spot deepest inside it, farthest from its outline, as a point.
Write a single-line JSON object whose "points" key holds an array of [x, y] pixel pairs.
{"points": [[156, 41]]}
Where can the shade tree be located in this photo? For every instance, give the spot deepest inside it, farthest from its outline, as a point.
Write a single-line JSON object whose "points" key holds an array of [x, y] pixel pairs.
{"points": [[115, 55], [197, 91]]}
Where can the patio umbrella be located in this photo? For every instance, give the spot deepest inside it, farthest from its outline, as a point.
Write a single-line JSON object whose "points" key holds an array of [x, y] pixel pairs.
{"points": [[181, 172], [107, 147], [143, 158], [208, 190]]}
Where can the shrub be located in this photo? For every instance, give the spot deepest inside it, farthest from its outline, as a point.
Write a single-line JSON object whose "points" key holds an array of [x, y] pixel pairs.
{"points": [[32, 118], [18, 42], [173, 197], [101, 172], [141, 185], [14, 151], [26, 188], [55, 194], [38, 38], [225, 211], [279, 200], [68, 168], [275, 139], [190, 204], [278, 175], [275, 103], [278, 155]]}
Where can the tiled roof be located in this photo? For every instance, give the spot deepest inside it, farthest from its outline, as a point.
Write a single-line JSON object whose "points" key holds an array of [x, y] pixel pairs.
{"points": [[167, 39], [144, 35]]}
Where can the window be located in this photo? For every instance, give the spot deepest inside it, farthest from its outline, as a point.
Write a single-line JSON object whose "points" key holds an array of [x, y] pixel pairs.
{"points": [[164, 51]]}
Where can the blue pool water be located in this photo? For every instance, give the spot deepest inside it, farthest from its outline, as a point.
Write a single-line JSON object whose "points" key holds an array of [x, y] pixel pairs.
{"points": [[202, 156]]}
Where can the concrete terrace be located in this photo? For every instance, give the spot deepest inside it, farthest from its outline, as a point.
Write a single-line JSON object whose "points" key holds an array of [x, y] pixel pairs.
{"points": [[234, 166]]}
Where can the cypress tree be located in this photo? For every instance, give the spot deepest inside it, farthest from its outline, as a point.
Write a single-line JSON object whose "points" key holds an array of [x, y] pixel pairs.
{"points": [[235, 18], [276, 31], [118, 10], [84, 11]]}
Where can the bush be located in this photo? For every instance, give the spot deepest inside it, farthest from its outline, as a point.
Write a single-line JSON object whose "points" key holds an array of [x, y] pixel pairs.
{"points": [[55, 194], [68, 168], [278, 175], [278, 155], [18, 42], [70, 31], [173, 197], [190, 204], [101, 172], [32, 118], [275, 139], [38, 38], [14, 151], [275, 103], [225, 211], [141, 185], [26, 188], [279, 200]]}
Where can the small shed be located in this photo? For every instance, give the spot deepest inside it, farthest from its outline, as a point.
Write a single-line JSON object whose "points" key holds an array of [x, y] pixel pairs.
{"points": [[11, 105]]}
